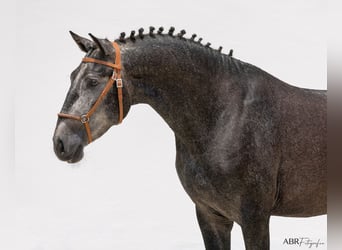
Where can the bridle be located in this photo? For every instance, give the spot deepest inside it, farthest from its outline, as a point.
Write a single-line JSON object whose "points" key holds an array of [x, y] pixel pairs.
{"points": [[115, 78]]}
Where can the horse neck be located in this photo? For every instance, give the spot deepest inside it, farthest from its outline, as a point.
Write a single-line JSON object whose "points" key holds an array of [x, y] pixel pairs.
{"points": [[189, 85]]}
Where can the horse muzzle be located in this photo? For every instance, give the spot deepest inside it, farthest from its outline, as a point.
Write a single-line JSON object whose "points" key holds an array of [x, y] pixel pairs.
{"points": [[68, 146]]}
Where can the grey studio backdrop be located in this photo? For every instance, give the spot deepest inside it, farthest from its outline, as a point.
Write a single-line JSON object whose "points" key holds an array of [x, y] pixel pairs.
{"points": [[125, 194]]}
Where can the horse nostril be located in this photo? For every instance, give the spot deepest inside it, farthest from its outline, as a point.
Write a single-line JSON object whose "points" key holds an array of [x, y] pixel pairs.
{"points": [[60, 147]]}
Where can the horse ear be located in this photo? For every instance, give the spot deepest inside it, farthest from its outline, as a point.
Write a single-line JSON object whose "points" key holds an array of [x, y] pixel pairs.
{"points": [[84, 43], [102, 44]]}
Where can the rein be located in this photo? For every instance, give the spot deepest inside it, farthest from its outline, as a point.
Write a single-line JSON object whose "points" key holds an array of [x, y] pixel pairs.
{"points": [[115, 78]]}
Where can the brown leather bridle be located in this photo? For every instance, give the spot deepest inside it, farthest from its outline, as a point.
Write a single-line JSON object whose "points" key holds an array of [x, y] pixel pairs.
{"points": [[116, 77]]}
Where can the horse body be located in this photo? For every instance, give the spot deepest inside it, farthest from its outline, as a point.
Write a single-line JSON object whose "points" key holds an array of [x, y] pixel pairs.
{"points": [[266, 155], [302, 173], [248, 145]]}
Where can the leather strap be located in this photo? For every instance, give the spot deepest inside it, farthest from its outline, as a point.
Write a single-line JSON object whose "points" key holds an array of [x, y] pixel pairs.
{"points": [[78, 118], [101, 97], [83, 119], [109, 64], [87, 127], [118, 80], [116, 77]]}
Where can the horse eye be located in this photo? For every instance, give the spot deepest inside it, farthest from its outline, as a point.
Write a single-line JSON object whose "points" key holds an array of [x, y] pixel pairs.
{"points": [[93, 82]]}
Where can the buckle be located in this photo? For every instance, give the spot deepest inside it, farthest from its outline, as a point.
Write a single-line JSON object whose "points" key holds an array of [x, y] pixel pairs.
{"points": [[114, 75], [119, 83], [84, 119]]}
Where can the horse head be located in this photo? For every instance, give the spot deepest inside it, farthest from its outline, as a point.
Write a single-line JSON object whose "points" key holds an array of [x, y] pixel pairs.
{"points": [[95, 99]]}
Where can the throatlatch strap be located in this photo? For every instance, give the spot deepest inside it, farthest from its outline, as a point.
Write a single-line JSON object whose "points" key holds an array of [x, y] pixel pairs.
{"points": [[118, 80]]}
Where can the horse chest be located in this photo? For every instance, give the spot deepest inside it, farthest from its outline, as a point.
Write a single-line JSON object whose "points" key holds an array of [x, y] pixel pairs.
{"points": [[194, 178], [201, 181]]}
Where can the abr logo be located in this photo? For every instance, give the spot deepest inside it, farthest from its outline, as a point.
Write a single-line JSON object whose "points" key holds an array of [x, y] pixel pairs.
{"points": [[291, 241]]}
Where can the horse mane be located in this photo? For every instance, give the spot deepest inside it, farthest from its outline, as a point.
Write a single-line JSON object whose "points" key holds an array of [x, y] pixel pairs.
{"points": [[133, 37]]}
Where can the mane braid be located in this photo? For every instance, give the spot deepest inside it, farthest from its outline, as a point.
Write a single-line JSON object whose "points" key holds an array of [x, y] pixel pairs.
{"points": [[135, 37]]}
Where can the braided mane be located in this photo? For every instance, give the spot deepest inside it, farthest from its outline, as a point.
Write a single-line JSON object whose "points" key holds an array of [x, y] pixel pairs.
{"points": [[133, 37]]}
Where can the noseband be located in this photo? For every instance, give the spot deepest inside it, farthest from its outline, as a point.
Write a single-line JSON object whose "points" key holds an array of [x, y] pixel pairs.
{"points": [[115, 78]]}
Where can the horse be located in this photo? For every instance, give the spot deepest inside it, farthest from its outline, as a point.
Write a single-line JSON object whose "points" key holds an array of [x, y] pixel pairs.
{"points": [[248, 145]]}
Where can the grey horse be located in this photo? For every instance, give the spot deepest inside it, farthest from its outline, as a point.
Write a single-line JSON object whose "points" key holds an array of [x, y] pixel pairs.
{"points": [[248, 145]]}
